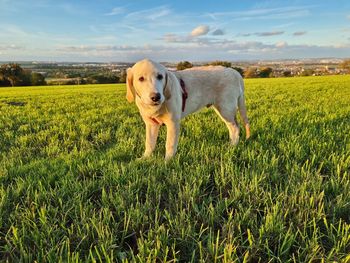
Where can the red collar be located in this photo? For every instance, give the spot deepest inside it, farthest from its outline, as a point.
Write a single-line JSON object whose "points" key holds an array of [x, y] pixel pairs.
{"points": [[184, 98], [155, 121], [184, 94]]}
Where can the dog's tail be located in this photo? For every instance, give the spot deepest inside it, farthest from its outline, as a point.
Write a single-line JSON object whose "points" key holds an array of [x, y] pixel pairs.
{"points": [[243, 110]]}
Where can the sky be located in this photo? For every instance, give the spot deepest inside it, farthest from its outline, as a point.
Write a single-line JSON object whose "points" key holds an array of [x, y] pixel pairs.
{"points": [[126, 30]]}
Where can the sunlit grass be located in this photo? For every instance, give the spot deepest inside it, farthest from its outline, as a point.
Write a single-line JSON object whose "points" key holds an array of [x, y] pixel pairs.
{"points": [[72, 190]]}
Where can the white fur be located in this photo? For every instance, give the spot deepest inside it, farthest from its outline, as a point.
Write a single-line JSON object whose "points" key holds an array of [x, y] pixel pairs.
{"points": [[213, 85]]}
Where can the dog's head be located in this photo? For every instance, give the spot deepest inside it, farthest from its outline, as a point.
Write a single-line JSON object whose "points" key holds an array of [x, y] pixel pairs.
{"points": [[148, 81]]}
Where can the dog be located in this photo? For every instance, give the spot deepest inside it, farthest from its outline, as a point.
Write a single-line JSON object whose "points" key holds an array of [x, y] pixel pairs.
{"points": [[165, 97]]}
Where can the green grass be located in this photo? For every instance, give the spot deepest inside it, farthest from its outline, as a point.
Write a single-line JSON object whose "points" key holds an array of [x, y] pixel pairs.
{"points": [[71, 189]]}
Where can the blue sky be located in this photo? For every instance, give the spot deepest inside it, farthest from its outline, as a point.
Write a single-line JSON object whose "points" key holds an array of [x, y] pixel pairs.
{"points": [[173, 30]]}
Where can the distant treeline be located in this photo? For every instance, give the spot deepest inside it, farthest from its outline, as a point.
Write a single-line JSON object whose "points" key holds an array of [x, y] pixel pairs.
{"points": [[265, 72], [248, 73], [14, 75], [97, 78]]}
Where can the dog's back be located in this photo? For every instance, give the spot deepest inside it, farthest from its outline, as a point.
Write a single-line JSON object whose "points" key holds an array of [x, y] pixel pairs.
{"points": [[209, 85]]}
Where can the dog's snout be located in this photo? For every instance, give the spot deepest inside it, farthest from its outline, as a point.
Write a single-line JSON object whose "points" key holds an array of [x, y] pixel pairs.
{"points": [[155, 97]]}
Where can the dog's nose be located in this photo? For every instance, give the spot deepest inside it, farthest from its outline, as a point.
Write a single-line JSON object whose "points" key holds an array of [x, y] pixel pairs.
{"points": [[155, 97]]}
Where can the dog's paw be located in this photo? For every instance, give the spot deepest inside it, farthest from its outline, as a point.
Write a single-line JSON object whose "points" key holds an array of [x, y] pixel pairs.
{"points": [[168, 158], [143, 158]]}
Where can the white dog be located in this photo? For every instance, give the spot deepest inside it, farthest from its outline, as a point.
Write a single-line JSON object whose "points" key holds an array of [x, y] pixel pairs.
{"points": [[165, 97]]}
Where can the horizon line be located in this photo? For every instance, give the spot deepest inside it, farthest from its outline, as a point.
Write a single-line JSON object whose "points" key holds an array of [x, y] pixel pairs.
{"points": [[194, 61]]}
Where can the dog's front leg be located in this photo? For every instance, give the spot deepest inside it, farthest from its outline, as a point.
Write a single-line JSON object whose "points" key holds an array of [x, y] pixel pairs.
{"points": [[151, 138], [173, 130]]}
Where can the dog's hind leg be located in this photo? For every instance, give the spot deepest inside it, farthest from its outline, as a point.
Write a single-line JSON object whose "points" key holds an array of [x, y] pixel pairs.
{"points": [[244, 117], [229, 117], [243, 110]]}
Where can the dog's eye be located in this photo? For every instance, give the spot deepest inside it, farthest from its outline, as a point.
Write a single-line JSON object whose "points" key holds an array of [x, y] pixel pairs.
{"points": [[141, 79], [159, 76]]}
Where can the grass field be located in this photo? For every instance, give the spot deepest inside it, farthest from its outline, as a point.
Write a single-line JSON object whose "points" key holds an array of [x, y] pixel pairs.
{"points": [[71, 189]]}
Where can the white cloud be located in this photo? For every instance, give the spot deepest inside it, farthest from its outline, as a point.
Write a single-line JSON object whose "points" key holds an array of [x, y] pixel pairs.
{"points": [[190, 40], [200, 45], [281, 44], [200, 31], [263, 13], [149, 14], [200, 49], [173, 38], [116, 11], [340, 46], [197, 35], [88, 48], [13, 31], [105, 39], [11, 47]]}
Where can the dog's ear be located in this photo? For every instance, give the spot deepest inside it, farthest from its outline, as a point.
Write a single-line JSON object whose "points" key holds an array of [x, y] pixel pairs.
{"points": [[168, 85], [130, 90]]}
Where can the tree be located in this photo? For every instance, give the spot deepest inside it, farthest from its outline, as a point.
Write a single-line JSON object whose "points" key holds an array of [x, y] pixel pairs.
{"points": [[122, 77], [346, 65], [184, 65], [37, 79], [102, 79], [239, 70], [13, 75], [227, 65], [25, 78], [265, 72], [221, 63], [307, 72], [4, 82], [251, 73], [287, 73]]}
